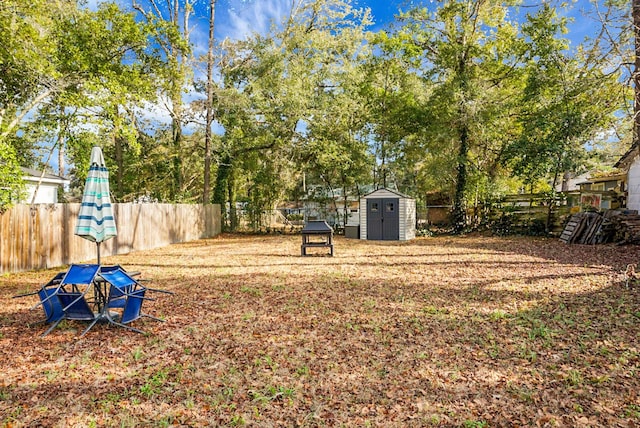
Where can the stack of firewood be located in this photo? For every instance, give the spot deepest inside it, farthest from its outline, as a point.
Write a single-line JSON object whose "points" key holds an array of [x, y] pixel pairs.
{"points": [[627, 228]]}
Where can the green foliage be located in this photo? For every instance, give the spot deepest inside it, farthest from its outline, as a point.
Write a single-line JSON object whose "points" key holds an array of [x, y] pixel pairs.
{"points": [[469, 54], [12, 186], [566, 102], [86, 70], [288, 103], [467, 98]]}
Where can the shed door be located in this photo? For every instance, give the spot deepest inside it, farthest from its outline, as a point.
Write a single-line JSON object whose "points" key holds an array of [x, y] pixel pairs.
{"points": [[383, 219], [390, 220], [374, 219]]}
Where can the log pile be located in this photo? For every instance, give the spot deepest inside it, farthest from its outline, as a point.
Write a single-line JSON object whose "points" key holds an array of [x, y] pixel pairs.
{"points": [[596, 228], [627, 228]]}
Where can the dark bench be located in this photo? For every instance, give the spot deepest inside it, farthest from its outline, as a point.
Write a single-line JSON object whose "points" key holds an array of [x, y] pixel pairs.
{"points": [[316, 233]]}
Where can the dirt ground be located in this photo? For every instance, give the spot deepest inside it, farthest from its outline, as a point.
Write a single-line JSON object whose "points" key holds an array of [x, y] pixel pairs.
{"points": [[444, 331]]}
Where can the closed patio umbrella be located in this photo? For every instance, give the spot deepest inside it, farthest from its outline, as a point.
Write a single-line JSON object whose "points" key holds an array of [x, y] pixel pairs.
{"points": [[95, 221]]}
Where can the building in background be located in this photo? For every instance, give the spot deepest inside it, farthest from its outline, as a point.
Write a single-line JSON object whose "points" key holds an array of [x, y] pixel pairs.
{"points": [[47, 186]]}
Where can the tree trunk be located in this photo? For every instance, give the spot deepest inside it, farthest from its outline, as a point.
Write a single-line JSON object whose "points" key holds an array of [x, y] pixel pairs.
{"points": [[233, 215], [551, 202], [117, 144], [220, 190], [207, 137], [459, 209], [345, 207], [636, 72], [176, 130], [61, 158]]}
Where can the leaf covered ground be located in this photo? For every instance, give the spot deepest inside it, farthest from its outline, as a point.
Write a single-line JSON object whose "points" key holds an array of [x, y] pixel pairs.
{"points": [[468, 331]]}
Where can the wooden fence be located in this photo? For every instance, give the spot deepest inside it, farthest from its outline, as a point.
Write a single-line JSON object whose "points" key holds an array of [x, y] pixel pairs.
{"points": [[42, 236]]}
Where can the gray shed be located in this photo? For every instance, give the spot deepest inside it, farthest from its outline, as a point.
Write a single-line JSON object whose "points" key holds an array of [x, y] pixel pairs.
{"points": [[387, 215]]}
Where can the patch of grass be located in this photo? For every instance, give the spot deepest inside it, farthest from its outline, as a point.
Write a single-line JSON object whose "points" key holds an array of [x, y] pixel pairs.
{"points": [[573, 377], [369, 305], [632, 411], [434, 310], [303, 371], [474, 424], [51, 375], [251, 291], [138, 354], [267, 361], [522, 393], [272, 393], [228, 392], [352, 326], [237, 421], [494, 350], [498, 315], [154, 383], [539, 331], [108, 403], [4, 395]]}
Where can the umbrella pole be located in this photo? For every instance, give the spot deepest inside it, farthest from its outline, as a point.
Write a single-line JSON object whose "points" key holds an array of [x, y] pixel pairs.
{"points": [[98, 245]]}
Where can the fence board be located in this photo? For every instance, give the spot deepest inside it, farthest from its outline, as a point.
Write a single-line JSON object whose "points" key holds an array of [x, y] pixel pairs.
{"points": [[42, 236]]}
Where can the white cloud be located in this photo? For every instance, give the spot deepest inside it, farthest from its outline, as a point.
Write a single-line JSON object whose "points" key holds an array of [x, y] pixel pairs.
{"points": [[243, 18]]}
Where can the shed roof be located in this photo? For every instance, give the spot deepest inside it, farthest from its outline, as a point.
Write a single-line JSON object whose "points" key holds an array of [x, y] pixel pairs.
{"points": [[384, 189]]}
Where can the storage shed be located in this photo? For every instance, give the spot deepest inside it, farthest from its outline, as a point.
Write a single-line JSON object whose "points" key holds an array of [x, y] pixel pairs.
{"points": [[387, 215]]}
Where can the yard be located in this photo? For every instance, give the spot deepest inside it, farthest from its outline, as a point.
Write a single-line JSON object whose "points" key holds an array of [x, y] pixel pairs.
{"points": [[446, 331]]}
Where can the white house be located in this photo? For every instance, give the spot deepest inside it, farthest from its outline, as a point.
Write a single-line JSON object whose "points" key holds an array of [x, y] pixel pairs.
{"points": [[47, 190], [630, 162]]}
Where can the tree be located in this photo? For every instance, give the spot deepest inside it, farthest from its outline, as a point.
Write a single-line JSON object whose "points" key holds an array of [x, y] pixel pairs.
{"points": [[566, 102], [209, 107], [174, 44], [88, 70], [470, 51], [275, 93], [28, 76], [395, 97], [636, 71]]}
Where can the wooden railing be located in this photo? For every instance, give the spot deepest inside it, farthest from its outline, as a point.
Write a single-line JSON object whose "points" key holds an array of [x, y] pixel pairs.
{"points": [[42, 236]]}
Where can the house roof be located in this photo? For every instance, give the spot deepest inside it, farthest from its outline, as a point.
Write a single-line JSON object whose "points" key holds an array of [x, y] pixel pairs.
{"points": [[613, 177], [34, 175], [628, 157]]}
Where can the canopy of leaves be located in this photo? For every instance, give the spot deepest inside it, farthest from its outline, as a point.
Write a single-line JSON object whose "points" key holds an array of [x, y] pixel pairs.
{"points": [[467, 98]]}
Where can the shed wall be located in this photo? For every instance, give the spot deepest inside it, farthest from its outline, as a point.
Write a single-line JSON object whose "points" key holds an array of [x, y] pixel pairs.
{"points": [[363, 218], [407, 219], [633, 183], [406, 207]]}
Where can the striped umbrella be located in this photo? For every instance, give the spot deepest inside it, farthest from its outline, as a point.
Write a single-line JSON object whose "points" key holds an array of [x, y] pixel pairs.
{"points": [[95, 221]]}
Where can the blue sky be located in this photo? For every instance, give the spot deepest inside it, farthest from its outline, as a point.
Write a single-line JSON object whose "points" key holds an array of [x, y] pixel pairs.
{"points": [[238, 18]]}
